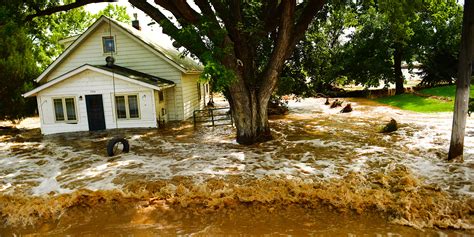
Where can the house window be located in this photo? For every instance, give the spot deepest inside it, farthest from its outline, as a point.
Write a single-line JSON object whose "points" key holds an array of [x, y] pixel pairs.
{"points": [[161, 96], [108, 43], [65, 109], [199, 90], [127, 106]]}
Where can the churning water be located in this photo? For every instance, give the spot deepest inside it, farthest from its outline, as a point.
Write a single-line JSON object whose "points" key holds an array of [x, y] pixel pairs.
{"points": [[325, 173]]}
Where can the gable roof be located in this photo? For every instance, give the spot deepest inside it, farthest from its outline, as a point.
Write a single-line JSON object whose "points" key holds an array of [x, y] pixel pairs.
{"points": [[172, 56], [117, 72]]}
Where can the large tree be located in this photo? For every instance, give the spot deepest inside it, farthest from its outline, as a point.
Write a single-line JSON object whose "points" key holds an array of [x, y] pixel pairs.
{"points": [[227, 36], [382, 40], [438, 35], [463, 82], [317, 61], [17, 65]]}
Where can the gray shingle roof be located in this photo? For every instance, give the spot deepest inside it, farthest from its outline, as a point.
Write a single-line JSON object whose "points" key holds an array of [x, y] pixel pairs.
{"points": [[136, 75]]}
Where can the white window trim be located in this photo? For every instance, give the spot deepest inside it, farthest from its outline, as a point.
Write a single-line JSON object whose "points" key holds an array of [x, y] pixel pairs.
{"points": [[103, 46], [127, 108], [63, 102]]}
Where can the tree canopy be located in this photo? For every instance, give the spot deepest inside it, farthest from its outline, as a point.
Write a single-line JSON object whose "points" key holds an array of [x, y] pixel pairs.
{"points": [[17, 65], [363, 49], [382, 39], [316, 65], [440, 36]]}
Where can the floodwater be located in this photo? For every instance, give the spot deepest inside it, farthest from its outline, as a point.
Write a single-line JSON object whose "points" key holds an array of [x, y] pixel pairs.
{"points": [[324, 174]]}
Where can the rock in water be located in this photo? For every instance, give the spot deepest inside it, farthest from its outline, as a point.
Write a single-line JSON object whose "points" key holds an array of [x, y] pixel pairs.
{"points": [[327, 101], [390, 126], [347, 108], [336, 103]]}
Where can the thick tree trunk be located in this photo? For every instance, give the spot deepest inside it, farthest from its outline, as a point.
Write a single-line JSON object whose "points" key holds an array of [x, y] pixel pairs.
{"points": [[397, 65], [249, 110], [463, 82]]}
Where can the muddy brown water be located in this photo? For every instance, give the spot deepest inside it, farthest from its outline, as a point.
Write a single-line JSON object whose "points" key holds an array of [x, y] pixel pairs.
{"points": [[324, 174]]}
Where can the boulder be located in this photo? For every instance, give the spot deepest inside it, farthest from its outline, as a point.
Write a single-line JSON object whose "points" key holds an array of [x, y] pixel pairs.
{"points": [[347, 108], [336, 103], [390, 126]]}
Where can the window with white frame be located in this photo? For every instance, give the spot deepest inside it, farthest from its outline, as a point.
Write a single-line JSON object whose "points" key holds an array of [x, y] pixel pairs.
{"points": [[65, 109], [108, 44], [127, 106]]}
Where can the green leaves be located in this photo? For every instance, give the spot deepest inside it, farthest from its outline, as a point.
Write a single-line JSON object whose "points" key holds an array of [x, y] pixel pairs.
{"points": [[316, 63], [217, 74], [114, 11], [17, 68], [440, 42]]}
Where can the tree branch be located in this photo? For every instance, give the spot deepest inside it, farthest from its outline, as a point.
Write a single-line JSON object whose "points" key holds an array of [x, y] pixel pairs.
{"points": [[308, 14], [230, 25], [206, 10], [288, 35], [52, 10], [280, 52], [271, 10], [180, 9]]}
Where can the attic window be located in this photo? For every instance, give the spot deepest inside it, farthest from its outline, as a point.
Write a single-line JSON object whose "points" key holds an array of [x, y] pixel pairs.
{"points": [[108, 43]]}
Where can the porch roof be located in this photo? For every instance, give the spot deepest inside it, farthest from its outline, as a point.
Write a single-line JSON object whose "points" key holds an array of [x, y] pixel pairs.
{"points": [[117, 72], [136, 75]]}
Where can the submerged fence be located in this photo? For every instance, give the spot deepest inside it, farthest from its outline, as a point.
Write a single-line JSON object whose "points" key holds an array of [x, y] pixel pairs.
{"points": [[213, 117]]}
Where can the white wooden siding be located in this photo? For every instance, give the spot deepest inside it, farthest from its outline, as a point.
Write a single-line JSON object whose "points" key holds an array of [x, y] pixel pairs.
{"points": [[93, 83], [130, 53], [191, 100]]}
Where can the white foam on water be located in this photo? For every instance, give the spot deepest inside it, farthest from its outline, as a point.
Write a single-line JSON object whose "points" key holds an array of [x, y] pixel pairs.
{"points": [[238, 155], [342, 143], [5, 187], [48, 182]]}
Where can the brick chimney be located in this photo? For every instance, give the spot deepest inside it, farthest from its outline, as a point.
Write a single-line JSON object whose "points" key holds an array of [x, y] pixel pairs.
{"points": [[136, 23]]}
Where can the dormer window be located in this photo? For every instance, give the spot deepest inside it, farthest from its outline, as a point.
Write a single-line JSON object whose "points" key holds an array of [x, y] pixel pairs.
{"points": [[108, 43]]}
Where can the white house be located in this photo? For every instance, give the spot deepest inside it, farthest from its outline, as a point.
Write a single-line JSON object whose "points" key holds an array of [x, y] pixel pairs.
{"points": [[142, 85]]}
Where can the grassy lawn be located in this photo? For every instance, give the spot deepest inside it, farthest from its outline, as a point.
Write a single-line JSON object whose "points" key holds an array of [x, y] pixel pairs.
{"points": [[423, 104]]}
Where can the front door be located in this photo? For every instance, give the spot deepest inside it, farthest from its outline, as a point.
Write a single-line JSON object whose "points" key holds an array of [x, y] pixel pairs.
{"points": [[95, 112]]}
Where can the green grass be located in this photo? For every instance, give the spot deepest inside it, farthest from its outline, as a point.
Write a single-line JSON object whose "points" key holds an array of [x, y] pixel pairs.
{"points": [[422, 104], [417, 103], [446, 91]]}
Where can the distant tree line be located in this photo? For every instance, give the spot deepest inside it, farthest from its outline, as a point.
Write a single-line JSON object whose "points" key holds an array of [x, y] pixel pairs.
{"points": [[366, 42]]}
